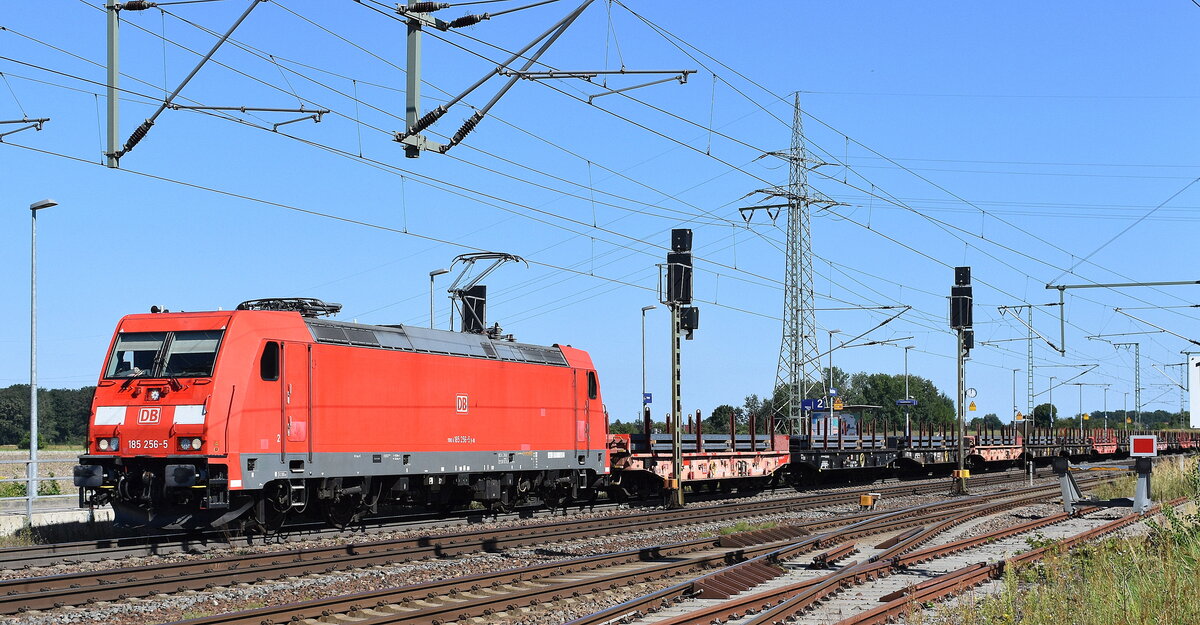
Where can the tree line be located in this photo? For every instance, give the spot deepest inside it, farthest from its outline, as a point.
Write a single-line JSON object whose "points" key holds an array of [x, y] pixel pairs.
{"points": [[62, 415], [878, 390], [1045, 415]]}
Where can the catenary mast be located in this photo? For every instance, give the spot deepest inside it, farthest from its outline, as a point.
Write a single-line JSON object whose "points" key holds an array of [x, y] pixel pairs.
{"points": [[798, 369]]}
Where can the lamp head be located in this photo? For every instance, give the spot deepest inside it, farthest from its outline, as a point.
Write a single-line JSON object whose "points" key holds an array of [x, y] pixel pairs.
{"points": [[650, 307], [438, 272], [40, 204]]}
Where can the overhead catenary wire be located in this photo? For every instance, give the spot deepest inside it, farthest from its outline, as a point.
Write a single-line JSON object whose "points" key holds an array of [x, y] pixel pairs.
{"points": [[673, 39]]}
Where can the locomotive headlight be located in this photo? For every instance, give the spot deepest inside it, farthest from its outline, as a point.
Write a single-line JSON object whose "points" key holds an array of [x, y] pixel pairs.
{"points": [[102, 444], [190, 444], [155, 394], [107, 444]]}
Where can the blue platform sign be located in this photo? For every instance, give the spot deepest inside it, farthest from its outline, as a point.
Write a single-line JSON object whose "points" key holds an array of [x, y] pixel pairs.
{"points": [[813, 404], [833, 392], [906, 402], [646, 398]]}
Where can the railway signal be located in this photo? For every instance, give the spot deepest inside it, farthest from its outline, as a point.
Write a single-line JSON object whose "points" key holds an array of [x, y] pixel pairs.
{"points": [[961, 322], [684, 318]]}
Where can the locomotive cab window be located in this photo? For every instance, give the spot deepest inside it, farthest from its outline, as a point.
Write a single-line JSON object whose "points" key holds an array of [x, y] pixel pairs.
{"points": [[190, 354], [593, 387], [268, 365], [134, 354]]}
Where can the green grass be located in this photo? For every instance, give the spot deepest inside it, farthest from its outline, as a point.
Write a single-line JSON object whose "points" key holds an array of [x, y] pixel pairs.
{"points": [[742, 526], [1171, 479], [23, 538], [1142, 580]]}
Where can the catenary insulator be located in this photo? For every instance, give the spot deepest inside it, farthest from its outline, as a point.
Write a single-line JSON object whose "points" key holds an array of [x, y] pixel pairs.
{"points": [[467, 127], [136, 5], [138, 135], [427, 120], [427, 7], [469, 20]]}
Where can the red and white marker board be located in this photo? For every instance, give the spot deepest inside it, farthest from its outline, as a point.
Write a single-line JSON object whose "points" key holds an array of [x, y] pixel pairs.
{"points": [[1143, 446]]}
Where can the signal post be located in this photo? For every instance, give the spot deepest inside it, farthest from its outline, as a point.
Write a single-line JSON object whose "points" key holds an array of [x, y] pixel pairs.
{"points": [[961, 322], [684, 319]]}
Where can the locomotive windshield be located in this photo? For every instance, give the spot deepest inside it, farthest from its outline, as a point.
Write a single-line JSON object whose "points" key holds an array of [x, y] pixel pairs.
{"points": [[185, 354]]}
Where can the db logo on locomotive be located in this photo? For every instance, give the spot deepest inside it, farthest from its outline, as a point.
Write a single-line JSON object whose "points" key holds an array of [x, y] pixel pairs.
{"points": [[148, 416]]}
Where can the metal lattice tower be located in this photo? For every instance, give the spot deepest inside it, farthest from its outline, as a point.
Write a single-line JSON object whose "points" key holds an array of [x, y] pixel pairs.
{"points": [[798, 368]]}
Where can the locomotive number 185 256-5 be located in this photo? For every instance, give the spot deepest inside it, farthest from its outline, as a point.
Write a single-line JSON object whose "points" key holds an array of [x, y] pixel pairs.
{"points": [[147, 444]]}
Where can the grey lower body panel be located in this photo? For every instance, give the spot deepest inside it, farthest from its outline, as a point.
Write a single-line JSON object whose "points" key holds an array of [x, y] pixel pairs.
{"points": [[258, 469]]}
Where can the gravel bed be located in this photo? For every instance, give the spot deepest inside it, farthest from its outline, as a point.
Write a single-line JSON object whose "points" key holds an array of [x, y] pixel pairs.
{"points": [[169, 608], [937, 614], [400, 533]]}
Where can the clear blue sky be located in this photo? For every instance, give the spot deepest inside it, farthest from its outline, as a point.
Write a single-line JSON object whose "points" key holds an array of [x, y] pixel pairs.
{"points": [[1015, 138]]}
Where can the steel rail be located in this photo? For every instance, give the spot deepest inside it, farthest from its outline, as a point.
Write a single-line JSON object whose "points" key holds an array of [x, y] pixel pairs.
{"points": [[758, 602], [143, 546], [416, 605], [23, 594], [901, 602]]}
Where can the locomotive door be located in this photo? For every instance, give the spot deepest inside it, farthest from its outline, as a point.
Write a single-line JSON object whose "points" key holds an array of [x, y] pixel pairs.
{"points": [[295, 407], [583, 412]]}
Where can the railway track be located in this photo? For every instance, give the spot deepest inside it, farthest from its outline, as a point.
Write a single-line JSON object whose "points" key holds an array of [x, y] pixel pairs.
{"points": [[900, 602], [39, 593], [155, 545], [735, 560], [790, 602], [518, 587]]}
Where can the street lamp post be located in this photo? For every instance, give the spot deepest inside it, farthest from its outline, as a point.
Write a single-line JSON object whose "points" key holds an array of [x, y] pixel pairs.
{"points": [[830, 390], [1014, 410], [1080, 385], [1105, 411], [32, 470], [644, 309], [433, 274], [1051, 400]]}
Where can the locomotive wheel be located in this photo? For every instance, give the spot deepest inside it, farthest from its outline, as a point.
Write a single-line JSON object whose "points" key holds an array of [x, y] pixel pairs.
{"points": [[343, 511], [271, 516]]}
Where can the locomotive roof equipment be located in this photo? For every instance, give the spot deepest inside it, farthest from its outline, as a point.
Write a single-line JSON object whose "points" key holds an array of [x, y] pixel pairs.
{"points": [[306, 306]]}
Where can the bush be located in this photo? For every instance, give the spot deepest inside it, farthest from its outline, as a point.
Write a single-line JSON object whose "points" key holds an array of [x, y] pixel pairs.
{"points": [[12, 488], [16, 487], [24, 444]]}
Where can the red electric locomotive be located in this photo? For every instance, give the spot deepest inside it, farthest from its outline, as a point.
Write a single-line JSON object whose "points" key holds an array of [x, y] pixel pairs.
{"points": [[204, 419]]}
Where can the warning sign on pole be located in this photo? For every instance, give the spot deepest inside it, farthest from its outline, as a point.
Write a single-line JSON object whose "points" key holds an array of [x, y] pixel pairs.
{"points": [[1143, 446]]}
